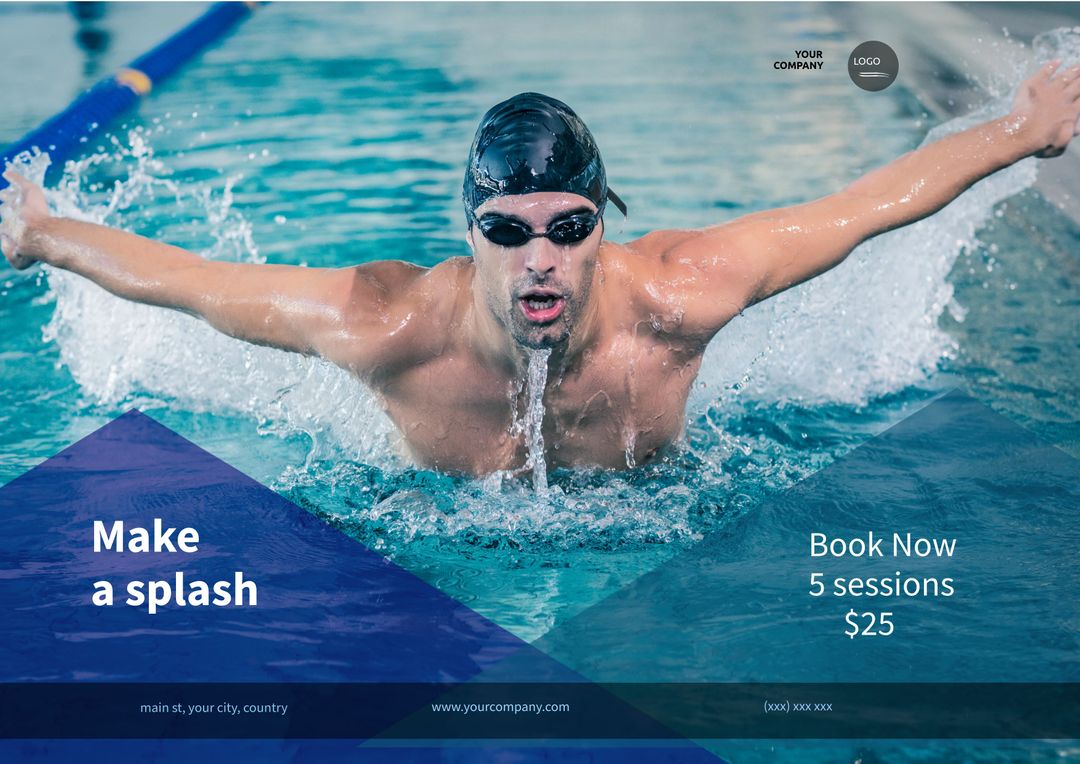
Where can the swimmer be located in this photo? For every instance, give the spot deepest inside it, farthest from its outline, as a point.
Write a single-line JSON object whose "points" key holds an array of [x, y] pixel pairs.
{"points": [[446, 348]]}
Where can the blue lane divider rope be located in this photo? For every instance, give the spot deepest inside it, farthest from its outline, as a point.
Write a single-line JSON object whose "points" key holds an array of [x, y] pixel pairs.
{"points": [[64, 135]]}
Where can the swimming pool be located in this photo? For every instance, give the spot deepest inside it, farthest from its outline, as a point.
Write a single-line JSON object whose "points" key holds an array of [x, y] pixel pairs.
{"points": [[332, 134]]}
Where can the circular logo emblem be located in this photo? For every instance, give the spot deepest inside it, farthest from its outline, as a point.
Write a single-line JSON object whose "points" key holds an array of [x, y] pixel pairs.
{"points": [[873, 65]]}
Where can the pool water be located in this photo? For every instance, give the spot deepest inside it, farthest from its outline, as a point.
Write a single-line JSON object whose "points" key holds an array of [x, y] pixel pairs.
{"points": [[329, 135]]}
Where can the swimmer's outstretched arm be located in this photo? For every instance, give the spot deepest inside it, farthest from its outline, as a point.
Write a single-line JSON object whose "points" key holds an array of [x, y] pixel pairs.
{"points": [[335, 313], [749, 259]]}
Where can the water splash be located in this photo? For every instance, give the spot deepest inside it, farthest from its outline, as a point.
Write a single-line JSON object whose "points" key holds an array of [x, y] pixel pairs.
{"points": [[534, 418], [123, 354], [862, 331], [870, 326], [1062, 43]]}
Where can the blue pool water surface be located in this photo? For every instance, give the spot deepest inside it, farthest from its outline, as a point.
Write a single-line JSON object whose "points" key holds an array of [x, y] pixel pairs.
{"points": [[329, 135]]}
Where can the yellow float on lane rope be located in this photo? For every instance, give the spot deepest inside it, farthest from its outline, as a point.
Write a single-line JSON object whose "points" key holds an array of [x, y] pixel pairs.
{"points": [[138, 81]]}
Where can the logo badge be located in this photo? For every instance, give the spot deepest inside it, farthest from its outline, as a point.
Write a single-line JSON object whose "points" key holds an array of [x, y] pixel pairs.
{"points": [[873, 65]]}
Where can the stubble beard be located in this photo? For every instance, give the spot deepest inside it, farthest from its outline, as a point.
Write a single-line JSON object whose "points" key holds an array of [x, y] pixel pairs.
{"points": [[533, 337]]}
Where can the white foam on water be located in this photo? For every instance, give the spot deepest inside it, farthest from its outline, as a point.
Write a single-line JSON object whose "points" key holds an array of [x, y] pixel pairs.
{"points": [[501, 511]]}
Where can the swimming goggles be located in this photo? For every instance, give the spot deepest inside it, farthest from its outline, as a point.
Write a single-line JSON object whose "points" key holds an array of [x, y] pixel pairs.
{"points": [[508, 232]]}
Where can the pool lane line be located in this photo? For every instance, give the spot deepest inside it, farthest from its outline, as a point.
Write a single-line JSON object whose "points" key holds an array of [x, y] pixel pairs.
{"points": [[65, 135]]}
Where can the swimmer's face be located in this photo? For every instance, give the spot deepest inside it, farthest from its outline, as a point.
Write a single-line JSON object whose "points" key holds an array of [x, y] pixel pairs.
{"points": [[538, 290]]}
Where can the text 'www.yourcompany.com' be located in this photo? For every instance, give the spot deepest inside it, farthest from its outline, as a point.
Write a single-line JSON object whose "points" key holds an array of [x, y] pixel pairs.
{"points": [[506, 708]]}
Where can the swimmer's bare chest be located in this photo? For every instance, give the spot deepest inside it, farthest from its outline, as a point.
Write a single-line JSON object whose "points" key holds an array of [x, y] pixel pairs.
{"points": [[617, 408]]}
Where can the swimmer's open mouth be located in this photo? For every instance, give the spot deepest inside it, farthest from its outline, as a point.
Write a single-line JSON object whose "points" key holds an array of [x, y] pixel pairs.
{"points": [[542, 306]]}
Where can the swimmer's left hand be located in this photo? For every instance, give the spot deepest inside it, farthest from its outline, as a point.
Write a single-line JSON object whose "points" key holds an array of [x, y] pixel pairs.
{"points": [[1046, 109], [22, 209]]}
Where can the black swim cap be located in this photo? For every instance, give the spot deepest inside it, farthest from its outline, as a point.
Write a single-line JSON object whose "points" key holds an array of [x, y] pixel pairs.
{"points": [[530, 143]]}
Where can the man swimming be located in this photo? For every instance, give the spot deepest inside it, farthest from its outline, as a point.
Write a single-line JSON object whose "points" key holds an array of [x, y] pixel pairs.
{"points": [[446, 348]]}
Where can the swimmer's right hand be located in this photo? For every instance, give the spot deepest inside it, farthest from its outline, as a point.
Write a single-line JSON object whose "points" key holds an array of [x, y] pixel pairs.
{"points": [[22, 209], [1046, 110]]}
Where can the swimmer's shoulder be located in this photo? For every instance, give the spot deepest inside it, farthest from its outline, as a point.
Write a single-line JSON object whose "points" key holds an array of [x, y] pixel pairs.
{"points": [[667, 246], [677, 253], [629, 275], [635, 267], [664, 275], [403, 285], [447, 287], [407, 312], [419, 310]]}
